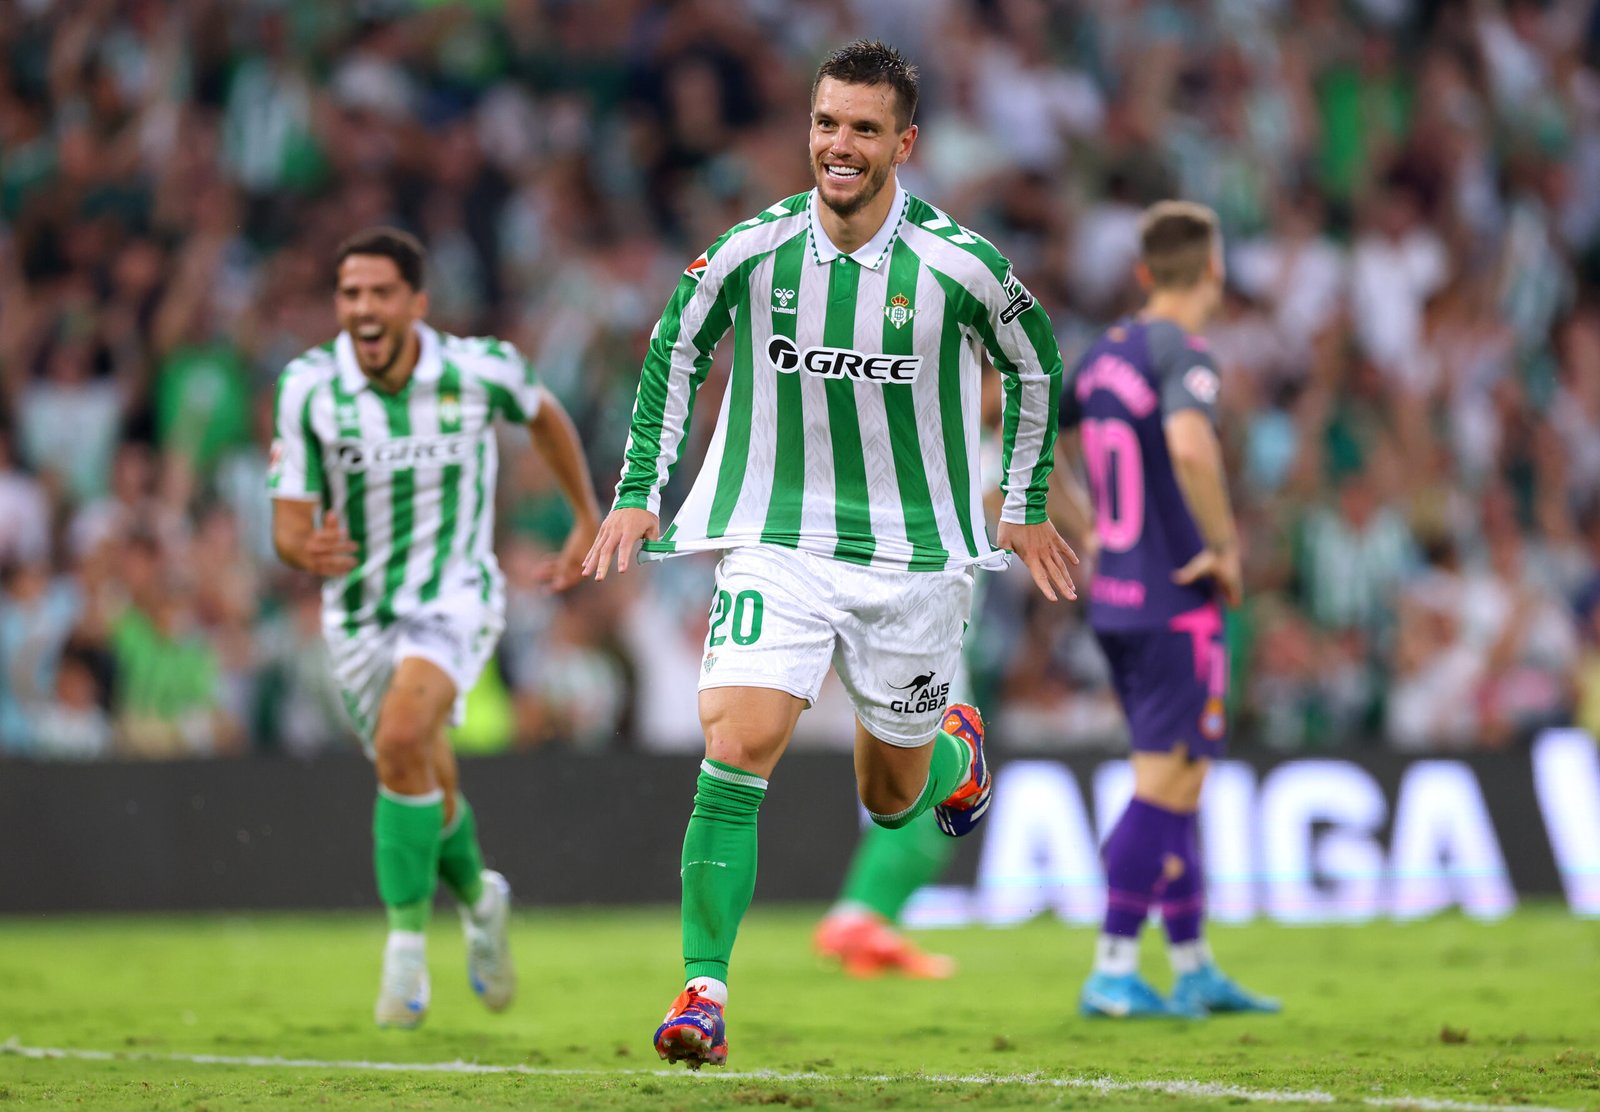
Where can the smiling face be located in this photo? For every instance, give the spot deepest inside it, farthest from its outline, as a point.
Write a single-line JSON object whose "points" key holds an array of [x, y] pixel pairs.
{"points": [[378, 308], [855, 143]]}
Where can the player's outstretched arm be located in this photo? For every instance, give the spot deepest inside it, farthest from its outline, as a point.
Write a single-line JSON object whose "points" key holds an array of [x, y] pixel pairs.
{"points": [[621, 531], [324, 549], [556, 438], [1197, 463]]}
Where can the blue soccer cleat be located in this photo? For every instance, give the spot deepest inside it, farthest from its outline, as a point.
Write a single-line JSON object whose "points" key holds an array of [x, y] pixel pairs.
{"points": [[693, 1032], [960, 814], [1209, 990], [490, 970], [1121, 996]]}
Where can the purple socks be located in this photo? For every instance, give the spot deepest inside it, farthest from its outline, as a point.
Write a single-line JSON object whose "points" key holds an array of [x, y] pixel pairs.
{"points": [[1134, 855], [1183, 900]]}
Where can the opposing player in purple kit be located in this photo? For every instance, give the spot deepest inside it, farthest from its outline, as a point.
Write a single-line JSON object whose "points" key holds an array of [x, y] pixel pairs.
{"points": [[1141, 404]]}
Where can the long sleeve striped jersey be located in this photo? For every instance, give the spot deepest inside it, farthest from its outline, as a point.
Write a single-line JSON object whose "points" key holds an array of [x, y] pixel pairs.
{"points": [[410, 475], [849, 427]]}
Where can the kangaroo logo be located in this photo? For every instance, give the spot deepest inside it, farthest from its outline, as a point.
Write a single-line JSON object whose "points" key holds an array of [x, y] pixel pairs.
{"points": [[925, 697]]}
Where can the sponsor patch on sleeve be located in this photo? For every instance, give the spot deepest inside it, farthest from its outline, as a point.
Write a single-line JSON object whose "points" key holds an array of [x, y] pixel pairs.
{"points": [[697, 269], [1018, 299], [1203, 383]]}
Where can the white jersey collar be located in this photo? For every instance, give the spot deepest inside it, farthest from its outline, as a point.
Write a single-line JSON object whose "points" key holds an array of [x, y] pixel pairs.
{"points": [[870, 254], [430, 362]]}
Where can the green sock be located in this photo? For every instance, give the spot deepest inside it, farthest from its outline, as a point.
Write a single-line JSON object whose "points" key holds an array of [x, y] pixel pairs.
{"points": [[889, 865], [460, 859], [719, 865], [948, 766], [405, 843]]}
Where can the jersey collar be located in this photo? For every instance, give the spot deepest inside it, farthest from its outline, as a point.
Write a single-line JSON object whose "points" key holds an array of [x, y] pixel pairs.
{"points": [[871, 253], [430, 363]]}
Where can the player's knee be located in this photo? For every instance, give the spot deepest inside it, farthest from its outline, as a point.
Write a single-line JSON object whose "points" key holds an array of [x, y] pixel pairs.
{"points": [[748, 750], [402, 743]]}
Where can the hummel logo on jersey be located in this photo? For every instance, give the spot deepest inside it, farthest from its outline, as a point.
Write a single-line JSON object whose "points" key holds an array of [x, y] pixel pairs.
{"points": [[839, 363], [783, 297], [1019, 300], [926, 696], [402, 452]]}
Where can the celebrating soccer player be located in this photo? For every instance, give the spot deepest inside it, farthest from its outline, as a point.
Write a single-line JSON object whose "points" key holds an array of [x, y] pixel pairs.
{"points": [[842, 480], [383, 477], [1143, 403]]}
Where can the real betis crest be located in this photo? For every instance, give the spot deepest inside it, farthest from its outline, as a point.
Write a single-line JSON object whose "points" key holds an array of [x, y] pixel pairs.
{"points": [[449, 409], [899, 310]]}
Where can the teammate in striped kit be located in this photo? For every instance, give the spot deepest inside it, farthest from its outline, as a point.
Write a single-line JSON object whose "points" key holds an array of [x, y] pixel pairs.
{"points": [[842, 481], [382, 480]]}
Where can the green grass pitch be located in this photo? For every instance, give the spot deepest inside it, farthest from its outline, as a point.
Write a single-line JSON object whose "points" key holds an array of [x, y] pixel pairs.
{"points": [[1449, 1013]]}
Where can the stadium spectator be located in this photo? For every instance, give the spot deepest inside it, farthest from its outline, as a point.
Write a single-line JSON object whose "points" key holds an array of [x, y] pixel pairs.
{"points": [[1411, 345]]}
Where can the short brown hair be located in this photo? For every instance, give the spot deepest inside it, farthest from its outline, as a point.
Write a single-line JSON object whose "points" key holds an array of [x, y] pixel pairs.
{"points": [[1176, 239], [871, 62], [391, 243]]}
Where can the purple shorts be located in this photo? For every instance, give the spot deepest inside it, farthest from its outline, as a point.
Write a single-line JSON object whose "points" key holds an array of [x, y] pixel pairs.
{"points": [[1173, 683]]}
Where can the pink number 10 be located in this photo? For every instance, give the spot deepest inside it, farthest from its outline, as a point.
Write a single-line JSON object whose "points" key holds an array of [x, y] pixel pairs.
{"points": [[1115, 465]]}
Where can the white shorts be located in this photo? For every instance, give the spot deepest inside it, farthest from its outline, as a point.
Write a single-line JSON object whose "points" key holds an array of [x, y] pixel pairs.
{"points": [[779, 618], [457, 633]]}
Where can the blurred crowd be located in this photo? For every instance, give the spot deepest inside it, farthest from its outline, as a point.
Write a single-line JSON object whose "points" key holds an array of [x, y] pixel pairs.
{"points": [[1410, 191]]}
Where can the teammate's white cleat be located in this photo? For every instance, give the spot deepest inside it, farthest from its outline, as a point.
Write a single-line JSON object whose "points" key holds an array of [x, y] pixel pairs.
{"points": [[403, 992], [489, 966]]}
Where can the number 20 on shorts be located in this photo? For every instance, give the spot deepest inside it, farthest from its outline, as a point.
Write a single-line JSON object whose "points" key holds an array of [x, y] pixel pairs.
{"points": [[741, 613]]}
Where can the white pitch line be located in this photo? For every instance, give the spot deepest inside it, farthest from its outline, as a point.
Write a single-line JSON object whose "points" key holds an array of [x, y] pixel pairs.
{"points": [[1102, 1085]]}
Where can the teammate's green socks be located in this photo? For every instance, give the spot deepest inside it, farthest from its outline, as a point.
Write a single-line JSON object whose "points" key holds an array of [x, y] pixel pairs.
{"points": [[947, 768], [890, 865], [405, 843], [719, 865], [460, 859]]}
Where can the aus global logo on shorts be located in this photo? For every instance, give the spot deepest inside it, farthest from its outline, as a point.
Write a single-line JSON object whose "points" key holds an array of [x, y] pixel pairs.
{"points": [[922, 695]]}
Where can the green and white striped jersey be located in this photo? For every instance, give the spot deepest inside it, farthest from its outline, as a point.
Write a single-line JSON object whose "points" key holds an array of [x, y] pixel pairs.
{"points": [[850, 424], [410, 475]]}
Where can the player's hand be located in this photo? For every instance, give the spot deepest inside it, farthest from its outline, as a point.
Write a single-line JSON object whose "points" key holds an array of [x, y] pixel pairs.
{"points": [[619, 533], [566, 568], [1221, 567], [329, 551], [1045, 554]]}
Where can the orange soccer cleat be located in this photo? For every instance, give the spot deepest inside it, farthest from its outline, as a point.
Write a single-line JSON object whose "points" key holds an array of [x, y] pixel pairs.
{"points": [[866, 946]]}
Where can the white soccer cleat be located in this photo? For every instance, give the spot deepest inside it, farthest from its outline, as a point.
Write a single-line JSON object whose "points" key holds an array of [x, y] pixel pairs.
{"points": [[490, 969], [403, 992]]}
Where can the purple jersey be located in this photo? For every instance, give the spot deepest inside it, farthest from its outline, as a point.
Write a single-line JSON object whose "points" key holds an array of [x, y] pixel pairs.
{"points": [[1119, 395]]}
